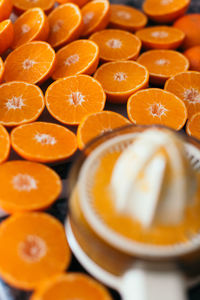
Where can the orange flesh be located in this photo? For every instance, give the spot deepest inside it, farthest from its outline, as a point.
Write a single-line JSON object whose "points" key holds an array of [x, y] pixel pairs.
{"points": [[32, 62], [4, 144], [6, 35], [5, 9], [98, 123], [163, 64], [186, 86], [27, 186], [161, 37], [116, 44], [130, 228], [155, 106], [165, 10], [71, 286], [193, 126], [70, 99], [96, 16], [23, 5], [43, 142], [61, 30], [20, 103], [32, 25], [79, 57], [126, 17], [121, 79], [28, 240]]}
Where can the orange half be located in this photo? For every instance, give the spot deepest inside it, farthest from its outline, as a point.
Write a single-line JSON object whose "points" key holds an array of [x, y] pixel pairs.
{"points": [[4, 144], [22, 180], [120, 79], [23, 5], [35, 243], [5, 9], [32, 62], [117, 44], [126, 17], [69, 99], [20, 102], [156, 106], [6, 35], [43, 142]]}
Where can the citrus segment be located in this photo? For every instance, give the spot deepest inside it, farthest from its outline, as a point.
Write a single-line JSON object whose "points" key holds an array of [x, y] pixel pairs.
{"points": [[96, 16], [30, 26], [161, 37], [193, 126], [23, 5], [155, 106], [6, 35], [5, 9], [20, 102], [65, 24], [69, 99], [97, 124], [43, 142], [121, 79], [4, 144], [80, 3], [165, 11], [78, 57], [186, 86], [1, 69], [27, 186], [190, 25], [117, 44], [71, 286], [193, 55], [126, 17], [36, 245], [32, 62], [163, 64]]}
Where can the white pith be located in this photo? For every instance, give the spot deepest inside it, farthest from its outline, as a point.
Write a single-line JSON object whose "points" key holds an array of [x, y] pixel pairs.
{"points": [[24, 182]]}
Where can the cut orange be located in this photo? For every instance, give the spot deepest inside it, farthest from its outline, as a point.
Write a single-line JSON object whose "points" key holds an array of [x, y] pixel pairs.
{"points": [[161, 37], [165, 11], [79, 57], [162, 64], [66, 24], [126, 17], [193, 55], [5, 9], [20, 102], [121, 79], [43, 142], [96, 15], [30, 26], [117, 44], [6, 35], [193, 126], [186, 86], [80, 3], [190, 25], [4, 144], [23, 5], [69, 99], [32, 62], [71, 286], [99, 123], [1, 69], [35, 243], [155, 106], [27, 186]]}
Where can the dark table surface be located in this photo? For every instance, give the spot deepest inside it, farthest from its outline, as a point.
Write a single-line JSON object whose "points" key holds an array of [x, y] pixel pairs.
{"points": [[59, 209]]}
